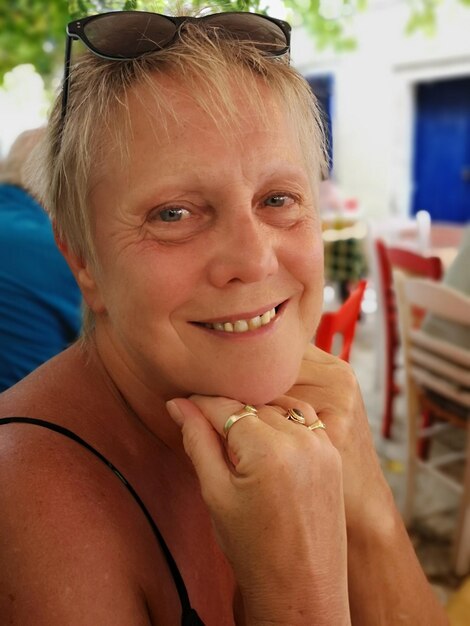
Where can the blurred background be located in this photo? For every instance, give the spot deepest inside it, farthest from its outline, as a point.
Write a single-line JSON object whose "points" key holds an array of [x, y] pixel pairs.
{"points": [[393, 81], [393, 77]]}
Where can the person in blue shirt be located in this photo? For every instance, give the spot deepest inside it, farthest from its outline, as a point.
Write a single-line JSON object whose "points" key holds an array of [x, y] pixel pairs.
{"points": [[39, 298]]}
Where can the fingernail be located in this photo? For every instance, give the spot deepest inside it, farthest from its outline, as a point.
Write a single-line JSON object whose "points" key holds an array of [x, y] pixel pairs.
{"points": [[175, 412]]}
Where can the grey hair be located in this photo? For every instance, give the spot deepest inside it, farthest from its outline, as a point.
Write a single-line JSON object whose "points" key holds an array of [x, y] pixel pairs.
{"points": [[98, 117]]}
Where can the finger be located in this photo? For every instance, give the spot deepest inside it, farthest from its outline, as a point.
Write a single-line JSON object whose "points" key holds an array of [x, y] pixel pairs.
{"points": [[202, 445], [218, 410], [288, 402], [250, 439]]}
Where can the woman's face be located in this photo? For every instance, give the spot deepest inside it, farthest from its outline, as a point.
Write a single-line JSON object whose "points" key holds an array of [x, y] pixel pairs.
{"points": [[202, 237]]}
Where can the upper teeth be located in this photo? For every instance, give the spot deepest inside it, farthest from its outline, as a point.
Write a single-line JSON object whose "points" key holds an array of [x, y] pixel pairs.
{"points": [[242, 326]]}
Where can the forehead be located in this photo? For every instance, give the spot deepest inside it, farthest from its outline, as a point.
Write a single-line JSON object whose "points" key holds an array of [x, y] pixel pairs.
{"points": [[168, 118], [167, 121], [171, 107]]}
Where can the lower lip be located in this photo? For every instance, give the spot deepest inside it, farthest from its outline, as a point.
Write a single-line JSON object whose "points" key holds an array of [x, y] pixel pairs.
{"points": [[249, 334]]}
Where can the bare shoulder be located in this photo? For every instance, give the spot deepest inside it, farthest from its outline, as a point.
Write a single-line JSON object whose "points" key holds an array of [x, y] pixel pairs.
{"points": [[74, 546], [50, 388]]}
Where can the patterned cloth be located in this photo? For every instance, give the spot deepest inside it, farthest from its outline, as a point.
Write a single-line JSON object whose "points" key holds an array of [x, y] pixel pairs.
{"points": [[345, 260]]}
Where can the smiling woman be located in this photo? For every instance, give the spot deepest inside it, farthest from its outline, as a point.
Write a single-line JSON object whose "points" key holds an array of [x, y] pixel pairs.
{"points": [[182, 182], [246, 240]]}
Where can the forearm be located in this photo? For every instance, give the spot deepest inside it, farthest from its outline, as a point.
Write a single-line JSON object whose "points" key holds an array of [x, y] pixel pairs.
{"points": [[305, 611], [387, 586], [302, 598]]}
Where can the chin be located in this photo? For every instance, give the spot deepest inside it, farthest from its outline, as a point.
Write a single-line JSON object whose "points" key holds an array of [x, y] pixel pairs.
{"points": [[250, 389]]}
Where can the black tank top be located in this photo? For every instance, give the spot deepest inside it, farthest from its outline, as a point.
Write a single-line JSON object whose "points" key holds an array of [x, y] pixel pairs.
{"points": [[189, 616]]}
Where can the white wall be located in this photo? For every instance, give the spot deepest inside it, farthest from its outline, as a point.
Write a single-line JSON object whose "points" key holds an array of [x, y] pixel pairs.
{"points": [[374, 95]]}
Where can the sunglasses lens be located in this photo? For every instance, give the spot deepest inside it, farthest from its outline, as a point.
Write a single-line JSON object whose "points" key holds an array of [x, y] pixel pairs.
{"points": [[260, 31], [128, 35]]}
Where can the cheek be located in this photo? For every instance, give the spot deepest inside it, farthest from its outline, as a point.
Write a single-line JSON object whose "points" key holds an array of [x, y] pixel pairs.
{"points": [[307, 258], [310, 271]]}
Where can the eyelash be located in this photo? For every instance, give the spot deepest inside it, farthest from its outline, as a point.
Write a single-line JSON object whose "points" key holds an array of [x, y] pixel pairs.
{"points": [[285, 197], [156, 214]]}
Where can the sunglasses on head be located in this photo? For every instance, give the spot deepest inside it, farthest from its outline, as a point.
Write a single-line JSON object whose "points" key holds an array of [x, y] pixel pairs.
{"points": [[125, 35]]}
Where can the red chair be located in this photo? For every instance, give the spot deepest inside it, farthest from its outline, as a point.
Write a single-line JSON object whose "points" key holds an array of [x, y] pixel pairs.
{"points": [[413, 264], [342, 321]]}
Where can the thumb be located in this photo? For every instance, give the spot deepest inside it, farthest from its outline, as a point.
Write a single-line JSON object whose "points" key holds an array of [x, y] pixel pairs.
{"points": [[202, 444]]}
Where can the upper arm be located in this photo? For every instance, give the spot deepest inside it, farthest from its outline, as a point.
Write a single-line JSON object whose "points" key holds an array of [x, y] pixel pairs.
{"points": [[65, 554]]}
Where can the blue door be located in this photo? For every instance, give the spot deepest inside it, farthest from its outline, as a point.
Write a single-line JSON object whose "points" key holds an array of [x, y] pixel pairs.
{"points": [[322, 87], [442, 150]]}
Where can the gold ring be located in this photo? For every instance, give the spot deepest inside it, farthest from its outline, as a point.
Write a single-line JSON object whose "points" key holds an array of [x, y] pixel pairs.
{"points": [[296, 415], [245, 412], [317, 424]]}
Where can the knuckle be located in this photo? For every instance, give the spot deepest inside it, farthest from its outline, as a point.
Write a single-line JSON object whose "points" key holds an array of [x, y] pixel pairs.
{"points": [[346, 372]]}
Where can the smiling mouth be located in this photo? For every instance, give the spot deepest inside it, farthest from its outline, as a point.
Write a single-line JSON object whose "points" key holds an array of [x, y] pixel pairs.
{"points": [[244, 325]]}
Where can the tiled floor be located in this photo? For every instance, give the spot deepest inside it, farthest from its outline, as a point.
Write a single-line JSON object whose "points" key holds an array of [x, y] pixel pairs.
{"points": [[435, 508]]}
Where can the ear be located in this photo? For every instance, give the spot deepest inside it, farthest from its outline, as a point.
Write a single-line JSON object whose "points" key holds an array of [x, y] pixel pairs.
{"points": [[84, 275]]}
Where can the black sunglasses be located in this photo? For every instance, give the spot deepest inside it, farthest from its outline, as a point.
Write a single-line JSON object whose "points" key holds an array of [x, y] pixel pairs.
{"points": [[125, 35]]}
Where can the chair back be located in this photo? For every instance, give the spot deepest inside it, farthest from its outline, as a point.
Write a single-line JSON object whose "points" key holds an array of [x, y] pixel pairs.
{"points": [[434, 363], [415, 264], [411, 263], [438, 382], [343, 322]]}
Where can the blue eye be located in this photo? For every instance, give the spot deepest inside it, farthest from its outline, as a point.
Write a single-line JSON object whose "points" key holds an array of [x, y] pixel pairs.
{"points": [[172, 215], [276, 200]]}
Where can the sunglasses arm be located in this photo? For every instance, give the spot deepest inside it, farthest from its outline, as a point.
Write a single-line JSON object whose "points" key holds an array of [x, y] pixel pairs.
{"points": [[65, 83]]}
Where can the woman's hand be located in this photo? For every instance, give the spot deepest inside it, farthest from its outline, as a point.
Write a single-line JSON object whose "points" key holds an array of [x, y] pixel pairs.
{"points": [[329, 385], [274, 491], [386, 583]]}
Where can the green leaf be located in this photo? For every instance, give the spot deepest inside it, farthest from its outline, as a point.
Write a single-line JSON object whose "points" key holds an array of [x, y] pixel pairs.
{"points": [[33, 31]]}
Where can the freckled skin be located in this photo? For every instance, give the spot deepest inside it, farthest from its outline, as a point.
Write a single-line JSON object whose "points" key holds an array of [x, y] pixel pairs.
{"points": [[235, 249]]}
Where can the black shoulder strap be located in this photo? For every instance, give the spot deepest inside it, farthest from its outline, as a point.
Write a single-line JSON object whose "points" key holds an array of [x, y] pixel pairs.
{"points": [[189, 618]]}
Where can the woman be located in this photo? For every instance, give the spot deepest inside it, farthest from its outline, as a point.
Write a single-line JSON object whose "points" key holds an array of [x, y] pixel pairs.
{"points": [[183, 187]]}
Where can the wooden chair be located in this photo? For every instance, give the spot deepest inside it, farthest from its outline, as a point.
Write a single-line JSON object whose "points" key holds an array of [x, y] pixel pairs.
{"points": [[397, 232], [413, 264], [343, 322], [437, 380]]}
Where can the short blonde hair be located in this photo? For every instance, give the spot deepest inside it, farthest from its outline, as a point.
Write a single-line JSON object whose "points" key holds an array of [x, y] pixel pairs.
{"points": [[98, 113]]}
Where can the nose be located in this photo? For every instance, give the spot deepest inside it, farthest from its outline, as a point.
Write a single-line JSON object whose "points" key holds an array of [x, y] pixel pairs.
{"points": [[246, 252]]}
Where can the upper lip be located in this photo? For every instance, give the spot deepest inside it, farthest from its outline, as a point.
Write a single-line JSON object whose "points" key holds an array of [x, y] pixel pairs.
{"points": [[240, 316]]}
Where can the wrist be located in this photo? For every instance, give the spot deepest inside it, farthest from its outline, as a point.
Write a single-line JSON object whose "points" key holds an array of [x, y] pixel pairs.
{"points": [[305, 602], [339, 617], [374, 517]]}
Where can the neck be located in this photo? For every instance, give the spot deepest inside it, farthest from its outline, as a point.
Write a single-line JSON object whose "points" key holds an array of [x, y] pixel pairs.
{"points": [[144, 405]]}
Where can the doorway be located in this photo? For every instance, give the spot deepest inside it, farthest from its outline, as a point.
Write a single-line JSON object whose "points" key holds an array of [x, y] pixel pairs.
{"points": [[322, 87], [441, 165]]}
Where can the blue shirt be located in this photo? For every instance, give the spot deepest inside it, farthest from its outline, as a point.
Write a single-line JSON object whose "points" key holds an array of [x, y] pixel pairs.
{"points": [[39, 298]]}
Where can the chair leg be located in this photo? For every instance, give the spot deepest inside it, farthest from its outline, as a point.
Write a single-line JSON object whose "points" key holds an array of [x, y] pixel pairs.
{"points": [[412, 406], [391, 389], [461, 556], [410, 488], [388, 416], [388, 401], [425, 442], [461, 549]]}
